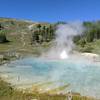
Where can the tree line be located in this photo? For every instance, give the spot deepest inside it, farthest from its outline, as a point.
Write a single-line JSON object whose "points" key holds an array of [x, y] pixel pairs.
{"points": [[43, 33], [46, 33], [91, 33]]}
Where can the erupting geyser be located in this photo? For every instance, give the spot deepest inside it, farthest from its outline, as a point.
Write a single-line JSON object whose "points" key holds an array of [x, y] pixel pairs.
{"points": [[63, 55], [63, 44]]}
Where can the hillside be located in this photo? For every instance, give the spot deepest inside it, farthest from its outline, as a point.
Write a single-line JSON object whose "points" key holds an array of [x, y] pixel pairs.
{"points": [[23, 37], [17, 39], [19, 34]]}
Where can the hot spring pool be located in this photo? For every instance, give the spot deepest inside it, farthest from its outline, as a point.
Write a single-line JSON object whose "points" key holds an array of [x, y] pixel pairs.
{"points": [[82, 76]]}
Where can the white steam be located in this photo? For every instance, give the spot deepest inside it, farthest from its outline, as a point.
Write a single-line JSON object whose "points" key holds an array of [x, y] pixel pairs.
{"points": [[63, 55], [63, 44], [66, 32]]}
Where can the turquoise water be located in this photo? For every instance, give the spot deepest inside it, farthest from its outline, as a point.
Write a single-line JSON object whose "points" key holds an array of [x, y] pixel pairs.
{"points": [[82, 76]]}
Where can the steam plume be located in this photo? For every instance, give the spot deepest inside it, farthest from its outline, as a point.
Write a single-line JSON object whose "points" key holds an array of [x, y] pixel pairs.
{"points": [[64, 39]]}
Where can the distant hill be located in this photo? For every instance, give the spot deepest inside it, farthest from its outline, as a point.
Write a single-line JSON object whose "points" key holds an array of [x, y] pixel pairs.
{"points": [[26, 36], [19, 33]]}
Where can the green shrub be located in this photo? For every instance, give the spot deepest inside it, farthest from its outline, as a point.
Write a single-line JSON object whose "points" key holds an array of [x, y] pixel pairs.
{"points": [[87, 48], [3, 38]]}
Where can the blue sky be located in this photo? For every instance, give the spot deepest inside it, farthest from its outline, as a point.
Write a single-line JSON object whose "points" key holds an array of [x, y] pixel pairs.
{"points": [[51, 10]]}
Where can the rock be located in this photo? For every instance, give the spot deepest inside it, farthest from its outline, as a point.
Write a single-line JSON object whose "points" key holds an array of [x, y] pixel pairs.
{"points": [[90, 55]]}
